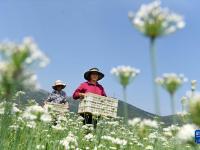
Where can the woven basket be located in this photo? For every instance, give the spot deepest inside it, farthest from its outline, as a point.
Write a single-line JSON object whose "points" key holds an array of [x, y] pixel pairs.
{"points": [[98, 105], [61, 108]]}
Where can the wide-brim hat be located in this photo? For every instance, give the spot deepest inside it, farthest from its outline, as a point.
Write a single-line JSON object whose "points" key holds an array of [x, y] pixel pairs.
{"points": [[96, 70], [58, 83]]}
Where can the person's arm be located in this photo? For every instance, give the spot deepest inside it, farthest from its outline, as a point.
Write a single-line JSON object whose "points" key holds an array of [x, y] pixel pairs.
{"points": [[103, 92], [49, 98], [52, 97], [64, 95], [79, 92]]}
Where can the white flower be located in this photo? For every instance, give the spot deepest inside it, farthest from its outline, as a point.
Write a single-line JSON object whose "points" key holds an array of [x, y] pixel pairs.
{"points": [[194, 98], [46, 118], [125, 70], [150, 123], [33, 58], [112, 148], [171, 128], [31, 80], [170, 131], [29, 116], [193, 85], [120, 141], [15, 127], [153, 20], [3, 66], [2, 111], [114, 123], [115, 140], [184, 100], [40, 147], [171, 81], [35, 55], [153, 135], [61, 118], [89, 137], [188, 146], [7, 47], [149, 147], [33, 112], [31, 124], [80, 118], [186, 133], [15, 109], [58, 127], [183, 113], [168, 134], [140, 144], [134, 121], [194, 106], [124, 74], [20, 93], [71, 139], [88, 127], [35, 109]]}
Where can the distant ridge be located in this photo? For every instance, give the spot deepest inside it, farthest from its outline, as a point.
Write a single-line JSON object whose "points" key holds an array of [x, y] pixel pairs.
{"points": [[40, 95]]}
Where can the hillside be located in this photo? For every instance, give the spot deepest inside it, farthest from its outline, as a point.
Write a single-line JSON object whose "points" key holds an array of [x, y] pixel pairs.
{"points": [[133, 111]]}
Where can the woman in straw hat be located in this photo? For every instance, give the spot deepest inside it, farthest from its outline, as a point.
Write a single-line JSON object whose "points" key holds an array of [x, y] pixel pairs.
{"points": [[90, 86], [57, 95]]}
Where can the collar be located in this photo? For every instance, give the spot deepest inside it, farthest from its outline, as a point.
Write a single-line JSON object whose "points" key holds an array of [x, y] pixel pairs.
{"points": [[89, 83], [55, 91]]}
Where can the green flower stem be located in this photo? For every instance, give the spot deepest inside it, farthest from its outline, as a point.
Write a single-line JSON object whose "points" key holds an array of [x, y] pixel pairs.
{"points": [[183, 107], [19, 99], [125, 105], [173, 107], [193, 93], [154, 74]]}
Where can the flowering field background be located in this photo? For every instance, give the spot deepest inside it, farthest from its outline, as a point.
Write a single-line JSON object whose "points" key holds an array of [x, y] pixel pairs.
{"points": [[34, 127], [25, 124]]}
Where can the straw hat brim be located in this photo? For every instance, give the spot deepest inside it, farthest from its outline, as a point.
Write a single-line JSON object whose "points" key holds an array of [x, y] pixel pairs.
{"points": [[63, 86], [88, 73]]}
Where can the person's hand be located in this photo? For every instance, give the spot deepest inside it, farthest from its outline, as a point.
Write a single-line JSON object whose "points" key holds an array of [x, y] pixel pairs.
{"points": [[81, 95]]}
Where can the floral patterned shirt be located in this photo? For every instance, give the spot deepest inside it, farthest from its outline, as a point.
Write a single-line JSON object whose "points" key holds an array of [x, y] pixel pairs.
{"points": [[57, 97]]}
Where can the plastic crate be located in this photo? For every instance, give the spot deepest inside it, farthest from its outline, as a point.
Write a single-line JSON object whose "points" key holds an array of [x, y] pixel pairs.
{"points": [[98, 105]]}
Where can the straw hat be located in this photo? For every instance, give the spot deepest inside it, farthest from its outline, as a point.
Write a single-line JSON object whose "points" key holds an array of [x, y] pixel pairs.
{"points": [[58, 83], [96, 70]]}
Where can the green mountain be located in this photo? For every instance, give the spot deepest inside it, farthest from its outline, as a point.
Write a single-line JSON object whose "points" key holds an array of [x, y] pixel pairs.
{"points": [[40, 95]]}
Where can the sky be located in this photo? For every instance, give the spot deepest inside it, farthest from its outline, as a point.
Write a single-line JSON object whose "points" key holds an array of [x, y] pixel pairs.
{"points": [[80, 34]]}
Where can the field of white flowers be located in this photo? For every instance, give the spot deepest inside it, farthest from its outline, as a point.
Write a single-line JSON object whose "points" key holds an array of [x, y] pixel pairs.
{"points": [[34, 127]]}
